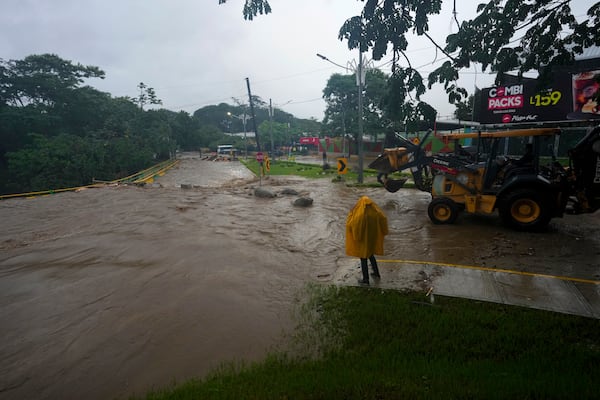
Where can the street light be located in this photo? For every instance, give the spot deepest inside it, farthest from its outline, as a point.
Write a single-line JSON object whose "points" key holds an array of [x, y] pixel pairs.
{"points": [[328, 60], [244, 117], [360, 70]]}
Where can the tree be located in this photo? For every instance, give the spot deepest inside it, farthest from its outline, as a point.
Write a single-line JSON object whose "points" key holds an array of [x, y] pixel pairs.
{"points": [[253, 7], [341, 96], [42, 94], [147, 96], [54, 132], [549, 35], [506, 35], [282, 135], [464, 109], [41, 80], [56, 162]]}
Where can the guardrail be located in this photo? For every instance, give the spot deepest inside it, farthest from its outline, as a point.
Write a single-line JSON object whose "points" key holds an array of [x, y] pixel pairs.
{"points": [[144, 176]]}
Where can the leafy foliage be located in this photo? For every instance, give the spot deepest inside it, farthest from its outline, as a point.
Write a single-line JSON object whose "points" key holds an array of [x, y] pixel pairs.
{"points": [[253, 7], [506, 35], [41, 79], [147, 96], [341, 96], [464, 109], [287, 128], [60, 161], [56, 133], [552, 36]]}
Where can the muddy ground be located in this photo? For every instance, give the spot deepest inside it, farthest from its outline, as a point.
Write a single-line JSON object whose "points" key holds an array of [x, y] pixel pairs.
{"points": [[109, 292]]}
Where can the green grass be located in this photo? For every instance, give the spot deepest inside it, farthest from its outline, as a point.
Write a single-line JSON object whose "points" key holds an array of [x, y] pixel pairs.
{"points": [[564, 161], [292, 168], [356, 343], [313, 171]]}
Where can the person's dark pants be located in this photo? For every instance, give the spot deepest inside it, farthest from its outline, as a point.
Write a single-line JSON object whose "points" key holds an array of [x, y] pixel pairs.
{"points": [[365, 268]]}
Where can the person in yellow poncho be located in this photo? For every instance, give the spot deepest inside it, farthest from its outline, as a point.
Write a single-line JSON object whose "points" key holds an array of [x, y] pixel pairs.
{"points": [[366, 226]]}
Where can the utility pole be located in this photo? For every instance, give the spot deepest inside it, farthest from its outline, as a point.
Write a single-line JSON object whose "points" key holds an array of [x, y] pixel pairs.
{"points": [[359, 82], [244, 119], [271, 128], [359, 70], [253, 114]]}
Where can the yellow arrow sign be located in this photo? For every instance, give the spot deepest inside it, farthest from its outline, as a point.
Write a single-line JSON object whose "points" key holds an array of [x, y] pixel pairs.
{"points": [[342, 165], [267, 164]]}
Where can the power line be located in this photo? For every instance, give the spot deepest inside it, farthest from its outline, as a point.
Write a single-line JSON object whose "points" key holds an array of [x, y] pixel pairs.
{"points": [[292, 76], [307, 101]]}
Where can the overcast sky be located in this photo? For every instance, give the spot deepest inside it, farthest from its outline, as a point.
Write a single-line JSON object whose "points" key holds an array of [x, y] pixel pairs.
{"points": [[196, 53]]}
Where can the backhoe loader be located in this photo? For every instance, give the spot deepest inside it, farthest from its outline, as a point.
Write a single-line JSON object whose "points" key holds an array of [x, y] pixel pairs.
{"points": [[527, 192]]}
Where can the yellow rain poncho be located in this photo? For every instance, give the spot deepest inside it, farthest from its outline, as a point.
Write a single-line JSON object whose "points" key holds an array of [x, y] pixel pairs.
{"points": [[366, 226]]}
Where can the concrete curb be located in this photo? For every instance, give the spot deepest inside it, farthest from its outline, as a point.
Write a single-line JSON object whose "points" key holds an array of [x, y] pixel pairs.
{"points": [[552, 293]]}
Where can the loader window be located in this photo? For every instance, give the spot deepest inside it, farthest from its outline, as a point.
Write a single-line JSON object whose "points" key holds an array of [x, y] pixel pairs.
{"points": [[527, 157], [491, 167]]}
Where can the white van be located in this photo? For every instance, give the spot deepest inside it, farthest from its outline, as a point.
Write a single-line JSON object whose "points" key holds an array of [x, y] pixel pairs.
{"points": [[225, 149]]}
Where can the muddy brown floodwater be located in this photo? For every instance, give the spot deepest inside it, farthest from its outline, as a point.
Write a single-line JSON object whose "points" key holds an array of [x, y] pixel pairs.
{"points": [[110, 292]]}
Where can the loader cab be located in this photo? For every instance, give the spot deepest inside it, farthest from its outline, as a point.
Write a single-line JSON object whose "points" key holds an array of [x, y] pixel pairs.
{"points": [[501, 167], [585, 169]]}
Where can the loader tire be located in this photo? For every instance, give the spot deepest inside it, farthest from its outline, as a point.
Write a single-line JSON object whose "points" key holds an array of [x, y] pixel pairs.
{"points": [[442, 210], [525, 210]]}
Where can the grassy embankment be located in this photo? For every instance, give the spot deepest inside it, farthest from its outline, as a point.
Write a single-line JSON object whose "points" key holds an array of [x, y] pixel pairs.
{"points": [[384, 344], [281, 167], [357, 343]]}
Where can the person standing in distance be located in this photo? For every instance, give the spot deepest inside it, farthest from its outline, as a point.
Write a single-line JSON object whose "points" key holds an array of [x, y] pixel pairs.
{"points": [[366, 227]]}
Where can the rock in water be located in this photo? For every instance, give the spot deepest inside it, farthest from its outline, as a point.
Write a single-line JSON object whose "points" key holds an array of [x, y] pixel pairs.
{"points": [[303, 202], [264, 193], [289, 191]]}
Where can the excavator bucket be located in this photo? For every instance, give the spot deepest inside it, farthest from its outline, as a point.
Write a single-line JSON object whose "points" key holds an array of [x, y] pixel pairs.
{"points": [[382, 164], [411, 156], [391, 160], [393, 185]]}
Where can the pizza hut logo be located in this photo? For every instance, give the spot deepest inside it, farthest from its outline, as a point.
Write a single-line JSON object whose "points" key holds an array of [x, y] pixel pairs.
{"points": [[506, 118]]}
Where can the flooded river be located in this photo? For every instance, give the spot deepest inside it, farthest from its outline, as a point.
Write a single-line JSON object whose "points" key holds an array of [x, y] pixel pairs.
{"points": [[111, 291]]}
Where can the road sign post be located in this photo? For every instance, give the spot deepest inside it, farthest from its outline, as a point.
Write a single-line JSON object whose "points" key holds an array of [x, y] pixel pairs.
{"points": [[342, 166], [260, 159]]}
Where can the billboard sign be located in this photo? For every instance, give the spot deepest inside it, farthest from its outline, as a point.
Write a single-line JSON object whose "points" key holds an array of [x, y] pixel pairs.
{"points": [[586, 86], [309, 140], [570, 97]]}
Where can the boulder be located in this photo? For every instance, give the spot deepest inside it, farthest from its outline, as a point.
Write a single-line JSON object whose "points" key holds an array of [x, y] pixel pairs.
{"points": [[303, 202], [289, 191], [263, 193]]}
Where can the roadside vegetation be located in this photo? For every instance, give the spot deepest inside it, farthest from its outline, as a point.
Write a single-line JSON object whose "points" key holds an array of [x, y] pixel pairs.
{"points": [[57, 132], [357, 343], [314, 171]]}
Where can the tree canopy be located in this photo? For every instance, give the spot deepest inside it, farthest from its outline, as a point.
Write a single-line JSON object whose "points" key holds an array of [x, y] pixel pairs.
{"points": [[341, 96], [506, 35], [41, 79]]}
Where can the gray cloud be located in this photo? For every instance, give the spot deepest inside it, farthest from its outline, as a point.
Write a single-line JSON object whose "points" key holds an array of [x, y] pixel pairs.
{"points": [[195, 52]]}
